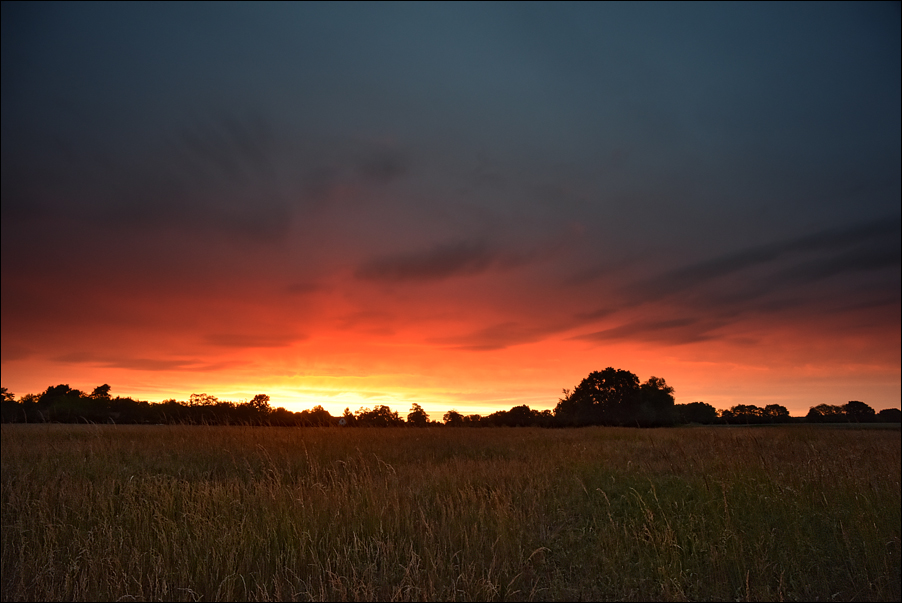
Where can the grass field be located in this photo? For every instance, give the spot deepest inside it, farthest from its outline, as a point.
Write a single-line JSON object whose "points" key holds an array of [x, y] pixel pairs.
{"points": [[212, 513]]}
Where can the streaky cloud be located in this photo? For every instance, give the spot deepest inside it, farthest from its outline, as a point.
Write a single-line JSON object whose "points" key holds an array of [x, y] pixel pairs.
{"points": [[445, 261], [247, 340], [144, 364], [594, 315], [458, 258], [672, 331], [493, 337], [863, 247]]}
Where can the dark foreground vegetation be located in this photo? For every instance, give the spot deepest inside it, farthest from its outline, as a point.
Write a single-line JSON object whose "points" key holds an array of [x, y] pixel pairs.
{"points": [[610, 397], [130, 512]]}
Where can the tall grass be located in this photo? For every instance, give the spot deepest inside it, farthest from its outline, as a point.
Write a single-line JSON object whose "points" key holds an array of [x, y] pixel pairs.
{"points": [[191, 513]]}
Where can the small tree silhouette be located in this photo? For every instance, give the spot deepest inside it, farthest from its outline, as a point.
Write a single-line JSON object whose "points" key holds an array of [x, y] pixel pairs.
{"points": [[101, 392], [859, 412], [260, 403], [202, 400], [417, 416], [453, 418], [776, 413], [380, 416]]}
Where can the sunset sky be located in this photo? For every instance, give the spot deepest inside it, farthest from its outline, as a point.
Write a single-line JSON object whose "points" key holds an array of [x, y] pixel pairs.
{"points": [[466, 206]]}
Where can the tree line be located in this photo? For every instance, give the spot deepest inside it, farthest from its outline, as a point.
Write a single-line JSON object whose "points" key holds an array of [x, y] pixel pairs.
{"points": [[608, 397]]}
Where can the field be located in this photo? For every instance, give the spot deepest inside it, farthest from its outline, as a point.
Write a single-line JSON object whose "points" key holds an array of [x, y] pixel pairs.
{"points": [[212, 513]]}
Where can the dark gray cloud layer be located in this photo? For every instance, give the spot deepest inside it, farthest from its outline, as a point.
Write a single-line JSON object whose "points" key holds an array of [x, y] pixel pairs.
{"points": [[818, 273], [705, 162]]}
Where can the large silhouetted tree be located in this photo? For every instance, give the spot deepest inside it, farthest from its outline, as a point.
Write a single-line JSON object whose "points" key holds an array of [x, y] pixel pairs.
{"points": [[608, 397]]}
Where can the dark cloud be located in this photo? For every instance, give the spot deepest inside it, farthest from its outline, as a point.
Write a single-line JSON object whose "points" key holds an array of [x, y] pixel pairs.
{"points": [[383, 166], [223, 173], [368, 321], [441, 262], [827, 273], [870, 255], [860, 248], [674, 331], [13, 351], [303, 288], [252, 340], [142, 364], [461, 258], [594, 315], [496, 337]]}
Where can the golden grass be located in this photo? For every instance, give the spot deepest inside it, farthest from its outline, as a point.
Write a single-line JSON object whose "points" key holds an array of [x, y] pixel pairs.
{"points": [[223, 513]]}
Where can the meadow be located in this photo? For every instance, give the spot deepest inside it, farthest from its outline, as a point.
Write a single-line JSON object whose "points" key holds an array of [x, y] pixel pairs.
{"points": [[93, 512]]}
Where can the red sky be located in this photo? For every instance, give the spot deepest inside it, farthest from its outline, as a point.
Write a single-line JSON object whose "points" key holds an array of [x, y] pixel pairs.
{"points": [[398, 205], [476, 339]]}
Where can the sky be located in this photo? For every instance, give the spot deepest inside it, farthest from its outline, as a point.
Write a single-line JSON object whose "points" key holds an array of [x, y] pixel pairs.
{"points": [[467, 206]]}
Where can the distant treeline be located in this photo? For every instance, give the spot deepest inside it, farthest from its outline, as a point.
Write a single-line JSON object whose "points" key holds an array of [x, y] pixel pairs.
{"points": [[608, 397]]}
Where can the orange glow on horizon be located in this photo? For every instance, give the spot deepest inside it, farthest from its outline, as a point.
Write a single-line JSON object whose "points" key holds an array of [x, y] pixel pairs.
{"points": [[338, 371]]}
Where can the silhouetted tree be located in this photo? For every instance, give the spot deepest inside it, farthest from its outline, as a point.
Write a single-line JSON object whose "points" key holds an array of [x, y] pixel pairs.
{"points": [[30, 410], [101, 392], [474, 420], [518, 416], [61, 403], [775, 413], [127, 410], [544, 418], [380, 416], [260, 403], [453, 418], [255, 411], [890, 415], [744, 414], [56, 392], [859, 412], [608, 397], [656, 404], [825, 413], [349, 418], [10, 410], [696, 412], [202, 400], [319, 417], [283, 417], [417, 416], [496, 419]]}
